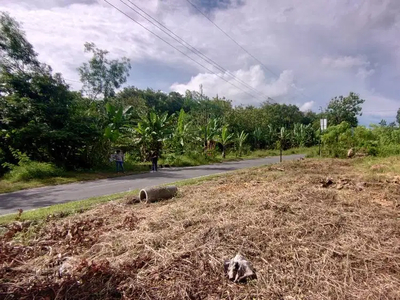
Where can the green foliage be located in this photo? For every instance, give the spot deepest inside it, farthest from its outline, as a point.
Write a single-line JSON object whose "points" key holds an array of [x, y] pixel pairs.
{"points": [[101, 76], [345, 109], [152, 130], [224, 138], [59, 128], [240, 140], [27, 170]]}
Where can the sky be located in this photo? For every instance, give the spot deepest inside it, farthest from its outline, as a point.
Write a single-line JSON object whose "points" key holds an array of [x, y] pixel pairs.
{"points": [[296, 52]]}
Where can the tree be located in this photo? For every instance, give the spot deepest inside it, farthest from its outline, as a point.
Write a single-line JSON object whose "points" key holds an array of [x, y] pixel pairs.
{"points": [[383, 123], [224, 139], [101, 76], [36, 107], [345, 109]]}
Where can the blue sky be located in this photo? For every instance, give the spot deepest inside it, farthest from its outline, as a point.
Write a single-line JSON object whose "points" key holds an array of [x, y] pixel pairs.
{"points": [[316, 49]]}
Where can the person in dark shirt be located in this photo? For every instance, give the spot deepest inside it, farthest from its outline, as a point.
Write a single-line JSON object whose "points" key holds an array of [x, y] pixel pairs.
{"points": [[154, 161]]}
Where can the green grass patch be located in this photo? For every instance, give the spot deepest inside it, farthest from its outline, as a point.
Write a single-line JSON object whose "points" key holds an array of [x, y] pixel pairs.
{"points": [[12, 182], [63, 209], [379, 165], [198, 159]]}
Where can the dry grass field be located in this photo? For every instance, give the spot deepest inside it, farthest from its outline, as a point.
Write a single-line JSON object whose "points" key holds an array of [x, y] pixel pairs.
{"points": [[313, 229]]}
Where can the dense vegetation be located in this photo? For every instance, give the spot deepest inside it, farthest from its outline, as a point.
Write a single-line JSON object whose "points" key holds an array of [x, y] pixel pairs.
{"points": [[49, 128]]}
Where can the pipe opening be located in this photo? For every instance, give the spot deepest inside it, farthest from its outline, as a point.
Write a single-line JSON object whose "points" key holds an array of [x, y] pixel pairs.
{"points": [[143, 195]]}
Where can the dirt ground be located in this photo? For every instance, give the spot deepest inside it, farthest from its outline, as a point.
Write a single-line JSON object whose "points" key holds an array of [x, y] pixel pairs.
{"points": [[313, 229]]}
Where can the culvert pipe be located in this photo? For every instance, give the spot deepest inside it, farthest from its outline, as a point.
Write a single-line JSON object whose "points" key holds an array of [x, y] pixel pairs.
{"points": [[149, 195]]}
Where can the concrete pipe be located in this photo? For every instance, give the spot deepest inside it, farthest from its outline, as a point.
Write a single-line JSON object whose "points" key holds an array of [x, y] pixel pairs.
{"points": [[149, 195]]}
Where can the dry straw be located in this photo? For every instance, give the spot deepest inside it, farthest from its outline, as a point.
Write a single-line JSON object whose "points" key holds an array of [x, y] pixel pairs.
{"points": [[305, 241]]}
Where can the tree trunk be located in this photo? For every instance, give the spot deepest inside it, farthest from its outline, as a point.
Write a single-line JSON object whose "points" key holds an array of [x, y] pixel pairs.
{"points": [[223, 151]]}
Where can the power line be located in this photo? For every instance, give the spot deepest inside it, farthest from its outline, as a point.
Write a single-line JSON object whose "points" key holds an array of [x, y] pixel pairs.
{"points": [[190, 47], [232, 39], [144, 27], [71, 80]]}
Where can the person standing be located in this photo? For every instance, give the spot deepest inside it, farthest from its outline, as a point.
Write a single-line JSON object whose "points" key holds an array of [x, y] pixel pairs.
{"points": [[119, 161], [154, 161]]}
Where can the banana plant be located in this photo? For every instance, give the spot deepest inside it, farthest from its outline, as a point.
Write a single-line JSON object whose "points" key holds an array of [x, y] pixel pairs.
{"points": [[224, 138], [152, 130], [182, 133], [116, 119], [241, 139], [283, 138], [258, 135], [303, 135], [210, 131]]}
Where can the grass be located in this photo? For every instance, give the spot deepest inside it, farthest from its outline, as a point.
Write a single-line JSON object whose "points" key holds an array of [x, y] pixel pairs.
{"points": [[8, 185], [74, 207], [200, 159], [62, 209], [27, 179], [307, 237]]}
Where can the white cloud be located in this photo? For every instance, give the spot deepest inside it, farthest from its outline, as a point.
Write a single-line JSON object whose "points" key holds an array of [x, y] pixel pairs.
{"points": [[307, 106], [327, 47], [228, 86], [363, 73], [344, 62]]}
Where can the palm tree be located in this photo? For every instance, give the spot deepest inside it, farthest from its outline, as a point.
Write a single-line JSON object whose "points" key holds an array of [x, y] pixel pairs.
{"points": [[224, 139]]}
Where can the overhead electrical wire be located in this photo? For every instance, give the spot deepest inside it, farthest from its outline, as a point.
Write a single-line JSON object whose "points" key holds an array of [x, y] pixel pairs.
{"points": [[183, 53], [192, 48], [238, 44]]}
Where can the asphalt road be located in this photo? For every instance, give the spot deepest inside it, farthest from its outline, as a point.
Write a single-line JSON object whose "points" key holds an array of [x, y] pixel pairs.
{"points": [[46, 196]]}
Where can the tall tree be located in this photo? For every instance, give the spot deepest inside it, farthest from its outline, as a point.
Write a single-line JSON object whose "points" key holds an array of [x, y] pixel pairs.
{"points": [[35, 105], [345, 109], [101, 76], [398, 116]]}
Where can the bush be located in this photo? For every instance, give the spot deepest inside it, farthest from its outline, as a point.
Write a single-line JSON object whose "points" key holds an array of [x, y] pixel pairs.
{"points": [[28, 170]]}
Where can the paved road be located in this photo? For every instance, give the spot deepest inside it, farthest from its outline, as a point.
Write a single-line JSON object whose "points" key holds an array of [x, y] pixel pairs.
{"points": [[45, 196]]}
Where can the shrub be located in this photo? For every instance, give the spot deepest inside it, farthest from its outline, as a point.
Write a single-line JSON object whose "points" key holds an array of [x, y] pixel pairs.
{"points": [[28, 170]]}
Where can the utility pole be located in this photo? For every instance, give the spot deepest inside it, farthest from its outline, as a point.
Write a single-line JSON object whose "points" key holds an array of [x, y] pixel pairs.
{"points": [[322, 126]]}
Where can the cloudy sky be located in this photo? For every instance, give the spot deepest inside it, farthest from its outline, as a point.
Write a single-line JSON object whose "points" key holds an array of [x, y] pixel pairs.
{"points": [[306, 51]]}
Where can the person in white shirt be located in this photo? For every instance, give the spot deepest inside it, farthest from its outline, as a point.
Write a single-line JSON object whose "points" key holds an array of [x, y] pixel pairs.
{"points": [[119, 161]]}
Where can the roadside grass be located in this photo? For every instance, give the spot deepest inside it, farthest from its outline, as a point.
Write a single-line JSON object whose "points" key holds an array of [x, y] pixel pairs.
{"points": [[187, 160], [74, 207], [8, 185], [313, 229], [80, 206], [11, 184], [62, 209]]}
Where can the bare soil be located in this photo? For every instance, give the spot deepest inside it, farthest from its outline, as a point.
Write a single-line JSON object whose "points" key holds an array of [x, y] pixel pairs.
{"points": [[313, 229]]}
